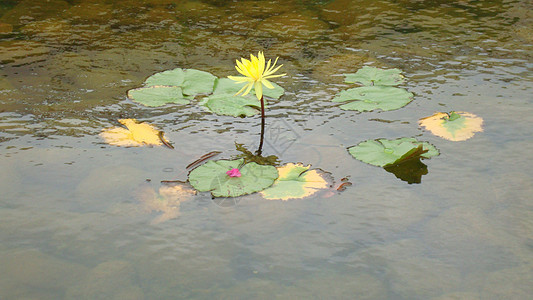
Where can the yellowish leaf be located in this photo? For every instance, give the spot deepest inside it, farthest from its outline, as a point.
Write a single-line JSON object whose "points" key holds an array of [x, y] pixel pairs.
{"points": [[296, 181], [456, 126], [137, 134]]}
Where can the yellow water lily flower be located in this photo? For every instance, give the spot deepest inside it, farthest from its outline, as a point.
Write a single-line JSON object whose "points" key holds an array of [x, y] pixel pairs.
{"points": [[255, 74]]}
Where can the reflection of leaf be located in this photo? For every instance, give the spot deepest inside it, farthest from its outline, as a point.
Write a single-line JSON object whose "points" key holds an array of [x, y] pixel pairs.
{"points": [[369, 98], [456, 126], [231, 105], [383, 152], [410, 171], [248, 156], [295, 181], [370, 76], [228, 86], [136, 134], [167, 201], [212, 177], [157, 95]]}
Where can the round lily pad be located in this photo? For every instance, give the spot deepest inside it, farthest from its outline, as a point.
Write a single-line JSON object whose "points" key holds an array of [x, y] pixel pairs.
{"points": [[383, 152], [157, 95], [197, 82], [231, 105], [173, 77], [369, 98], [212, 177], [370, 76], [228, 86], [173, 86], [295, 181], [455, 126]]}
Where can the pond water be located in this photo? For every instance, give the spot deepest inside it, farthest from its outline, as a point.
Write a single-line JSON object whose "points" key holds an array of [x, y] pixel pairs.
{"points": [[72, 218]]}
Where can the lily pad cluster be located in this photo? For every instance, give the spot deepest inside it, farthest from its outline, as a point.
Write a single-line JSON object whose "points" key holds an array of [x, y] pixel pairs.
{"points": [[179, 86], [378, 90]]}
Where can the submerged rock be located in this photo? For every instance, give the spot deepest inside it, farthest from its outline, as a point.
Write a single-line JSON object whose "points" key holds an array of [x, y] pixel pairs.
{"points": [[108, 280], [24, 270]]}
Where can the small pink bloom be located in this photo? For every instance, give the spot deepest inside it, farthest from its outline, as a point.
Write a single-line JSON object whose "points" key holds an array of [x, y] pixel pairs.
{"points": [[234, 173]]}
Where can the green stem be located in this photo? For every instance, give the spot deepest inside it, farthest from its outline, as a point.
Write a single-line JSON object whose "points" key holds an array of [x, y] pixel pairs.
{"points": [[260, 149]]}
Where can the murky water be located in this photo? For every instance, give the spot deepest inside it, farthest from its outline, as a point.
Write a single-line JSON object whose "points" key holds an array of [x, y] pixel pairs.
{"points": [[72, 222]]}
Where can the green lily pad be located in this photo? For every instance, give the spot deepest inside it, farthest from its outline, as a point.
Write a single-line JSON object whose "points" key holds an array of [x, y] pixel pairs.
{"points": [[212, 177], [228, 86], [173, 77], [192, 82], [370, 76], [231, 105], [295, 181], [198, 82], [155, 96], [369, 98], [173, 86], [383, 152]]}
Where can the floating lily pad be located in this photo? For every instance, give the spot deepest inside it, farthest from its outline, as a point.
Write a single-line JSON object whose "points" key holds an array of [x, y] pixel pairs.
{"points": [[169, 77], [137, 134], [456, 126], [370, 76], [157, 95], [295, 181], [383, 152], [228, 86], [212, 177], [173, 86], [192, 82], [369, 98], [198, 82], [231, 105]]}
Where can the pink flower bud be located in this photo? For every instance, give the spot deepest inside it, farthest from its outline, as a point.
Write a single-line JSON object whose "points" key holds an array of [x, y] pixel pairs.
{"points": [[234, 173]]}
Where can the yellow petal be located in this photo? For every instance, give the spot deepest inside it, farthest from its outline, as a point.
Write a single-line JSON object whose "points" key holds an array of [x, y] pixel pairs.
{"points": [[248, 87], [239, 79], [267, 84], [258, 90]]}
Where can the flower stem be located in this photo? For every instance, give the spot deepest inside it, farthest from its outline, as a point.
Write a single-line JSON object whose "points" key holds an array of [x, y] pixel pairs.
{"points": [[258, 152]]}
